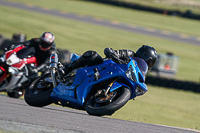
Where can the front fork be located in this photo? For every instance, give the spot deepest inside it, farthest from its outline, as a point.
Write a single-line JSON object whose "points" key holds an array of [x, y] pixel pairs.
{"points": [[53, 68], [53, 76], [109, 86], [105, 96], [105, 91]]}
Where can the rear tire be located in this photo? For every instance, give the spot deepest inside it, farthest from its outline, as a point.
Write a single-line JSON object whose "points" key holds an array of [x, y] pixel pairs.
{"points": [[39, 97], [122, 96]]}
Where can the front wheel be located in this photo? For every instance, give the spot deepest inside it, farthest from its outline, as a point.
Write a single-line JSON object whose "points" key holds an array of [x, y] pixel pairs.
{"points": [[38, 94], [100, 106]]}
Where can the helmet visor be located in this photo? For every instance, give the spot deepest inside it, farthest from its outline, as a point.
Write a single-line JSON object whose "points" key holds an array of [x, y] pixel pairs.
{"points": [[150, 63], [45, 44], [44, 48]]}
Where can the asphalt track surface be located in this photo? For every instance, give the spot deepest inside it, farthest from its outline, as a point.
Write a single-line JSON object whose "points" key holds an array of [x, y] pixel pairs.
{"points": [[184, 38], [17, 116]]}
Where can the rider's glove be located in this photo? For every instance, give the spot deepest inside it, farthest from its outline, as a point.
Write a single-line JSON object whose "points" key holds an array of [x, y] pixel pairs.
{"points": [[114, 55], [110, 53], [33, 70]]}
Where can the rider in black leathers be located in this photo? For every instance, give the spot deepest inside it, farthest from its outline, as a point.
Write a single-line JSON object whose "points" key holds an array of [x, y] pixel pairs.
{"points": [[41, 48], [89, 58]]}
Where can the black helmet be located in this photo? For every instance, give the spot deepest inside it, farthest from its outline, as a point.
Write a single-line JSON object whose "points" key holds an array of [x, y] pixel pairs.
{"points": [[46, 40], [148, 54]]}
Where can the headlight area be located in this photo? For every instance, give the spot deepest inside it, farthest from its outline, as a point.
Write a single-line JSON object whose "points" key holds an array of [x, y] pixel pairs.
{"points": [[130, 74], [139, 91]]}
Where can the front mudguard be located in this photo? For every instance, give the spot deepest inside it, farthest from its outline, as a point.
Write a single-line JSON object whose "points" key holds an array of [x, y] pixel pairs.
{"points": [[117, 85]]}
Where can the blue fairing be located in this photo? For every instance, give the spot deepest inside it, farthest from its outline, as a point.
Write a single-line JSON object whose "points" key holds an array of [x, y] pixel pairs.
{"points": [[74, 57], [77, 92]]}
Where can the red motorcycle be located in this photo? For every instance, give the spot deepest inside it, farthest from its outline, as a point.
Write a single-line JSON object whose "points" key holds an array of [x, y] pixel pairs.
{"points": [[14, 76]]}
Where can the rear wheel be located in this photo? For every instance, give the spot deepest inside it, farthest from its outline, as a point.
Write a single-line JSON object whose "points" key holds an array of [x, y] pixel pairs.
{"points": [[38, 94], [107, 105]]}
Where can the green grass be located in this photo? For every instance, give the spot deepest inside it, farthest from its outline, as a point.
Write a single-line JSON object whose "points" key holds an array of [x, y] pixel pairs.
{"points": [[159, 105], [165, 107], [133, 17]]}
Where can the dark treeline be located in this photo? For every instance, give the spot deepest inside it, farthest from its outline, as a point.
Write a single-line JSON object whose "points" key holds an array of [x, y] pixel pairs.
{"points": [[187, 14]]}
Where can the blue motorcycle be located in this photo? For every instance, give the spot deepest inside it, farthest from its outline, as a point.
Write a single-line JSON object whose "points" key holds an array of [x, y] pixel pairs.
{"points": [[99, 90]]}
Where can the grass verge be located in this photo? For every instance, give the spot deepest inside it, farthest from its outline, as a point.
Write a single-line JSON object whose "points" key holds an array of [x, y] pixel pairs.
{"points": [[165, 107], [134, 17]]}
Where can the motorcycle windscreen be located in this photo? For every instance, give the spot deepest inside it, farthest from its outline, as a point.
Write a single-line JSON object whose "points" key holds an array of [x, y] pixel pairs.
{"points": [[142, 65]]}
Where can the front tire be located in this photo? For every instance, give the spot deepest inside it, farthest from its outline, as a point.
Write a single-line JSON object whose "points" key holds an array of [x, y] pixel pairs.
{"points": [[121, 97], [38, 94]]}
